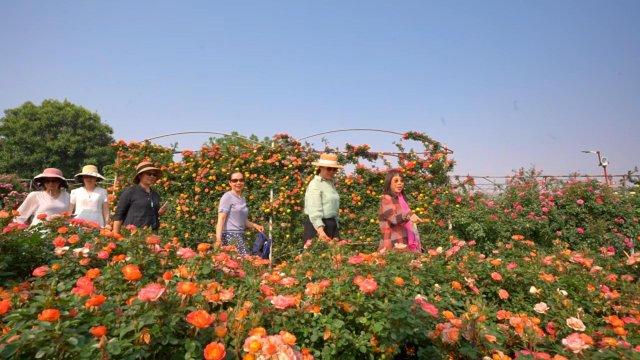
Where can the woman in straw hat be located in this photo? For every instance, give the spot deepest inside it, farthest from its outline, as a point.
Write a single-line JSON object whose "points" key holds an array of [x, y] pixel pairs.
{"points": [[47, 203], [90, 202], [322, 201], [139, 204]]}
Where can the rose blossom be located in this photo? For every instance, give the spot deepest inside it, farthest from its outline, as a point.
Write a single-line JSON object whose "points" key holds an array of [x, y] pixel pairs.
{"points": [[151, 292], [541, 308], [576, 324], [428, 307], [41, 271], [576, 342]]}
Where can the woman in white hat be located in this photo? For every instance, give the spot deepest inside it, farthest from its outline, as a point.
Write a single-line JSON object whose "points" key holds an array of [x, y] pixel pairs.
{"points": [[51, 201], [139, 204], [90, 202], [322, 201]]}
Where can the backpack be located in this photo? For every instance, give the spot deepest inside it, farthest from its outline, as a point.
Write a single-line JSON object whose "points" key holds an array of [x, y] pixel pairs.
{"points": [[261, 246]]}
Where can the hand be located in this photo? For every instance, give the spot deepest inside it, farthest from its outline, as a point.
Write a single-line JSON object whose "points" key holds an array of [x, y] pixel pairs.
{"points": [[217, 244], [163, 208], [415, 219], [322, 235], [259, 228]]}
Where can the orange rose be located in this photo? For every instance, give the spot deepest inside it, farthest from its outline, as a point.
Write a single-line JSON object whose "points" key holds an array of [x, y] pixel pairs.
{"points": [[93, 273], [398, 281], [187, 288], [200, 319], [98, 331], [131, 272], [95, 301], [73, 239], [5, 305], [63, 230], [214, 351], [49, 315], [220, 331], [288, 338]]}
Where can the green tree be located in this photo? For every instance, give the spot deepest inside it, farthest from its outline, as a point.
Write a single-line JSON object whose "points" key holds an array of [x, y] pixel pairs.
{"points": [[54, 134]]}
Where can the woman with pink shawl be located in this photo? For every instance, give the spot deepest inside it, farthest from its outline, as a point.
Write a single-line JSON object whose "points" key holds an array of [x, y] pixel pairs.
{"points": [[397, 221]]}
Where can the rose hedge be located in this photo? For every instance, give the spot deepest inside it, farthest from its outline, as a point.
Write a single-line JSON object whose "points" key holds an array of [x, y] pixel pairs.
{"points": [[586, 213], [149, 296], [195, 184]]}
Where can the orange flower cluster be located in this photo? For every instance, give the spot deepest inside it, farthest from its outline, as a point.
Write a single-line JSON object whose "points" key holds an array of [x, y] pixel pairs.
{"points": [[260, 345]]}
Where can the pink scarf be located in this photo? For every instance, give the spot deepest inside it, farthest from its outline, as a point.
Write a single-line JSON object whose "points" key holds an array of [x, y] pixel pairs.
{"points": [[412, 244]]}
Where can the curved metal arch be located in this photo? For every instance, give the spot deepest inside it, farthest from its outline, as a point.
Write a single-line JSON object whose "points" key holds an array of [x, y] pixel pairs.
{"points": [[363, 129], [199, 132]]}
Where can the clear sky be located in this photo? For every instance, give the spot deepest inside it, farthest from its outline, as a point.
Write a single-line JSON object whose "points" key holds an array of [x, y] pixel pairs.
{"points": [[505, 84]]}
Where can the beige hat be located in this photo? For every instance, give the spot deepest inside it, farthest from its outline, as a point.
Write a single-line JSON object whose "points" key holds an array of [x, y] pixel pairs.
{"points": [[89, 170], [328, 160], [50, 173], [144, 167]]}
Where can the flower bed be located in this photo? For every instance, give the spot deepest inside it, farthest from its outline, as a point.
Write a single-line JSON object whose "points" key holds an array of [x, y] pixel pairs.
{"points": [[147, 296]]}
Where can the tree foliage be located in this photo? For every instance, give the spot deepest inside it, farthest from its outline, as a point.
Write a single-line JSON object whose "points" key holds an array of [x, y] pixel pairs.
{"points": [[53, 134]]}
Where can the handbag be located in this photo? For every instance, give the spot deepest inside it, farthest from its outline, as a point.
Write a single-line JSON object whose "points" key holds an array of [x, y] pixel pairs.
{"points": [[261, 246]]}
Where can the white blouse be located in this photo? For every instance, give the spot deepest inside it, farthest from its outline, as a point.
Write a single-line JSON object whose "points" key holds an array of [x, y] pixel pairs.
{"points": [[40, 202], [89, 204]]}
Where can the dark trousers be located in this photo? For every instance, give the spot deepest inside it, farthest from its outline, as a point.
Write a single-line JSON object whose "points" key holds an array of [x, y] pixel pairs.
{"points": [[330, 228]]}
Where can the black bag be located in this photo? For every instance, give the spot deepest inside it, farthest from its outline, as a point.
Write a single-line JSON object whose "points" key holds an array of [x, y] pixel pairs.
{"points": [[261, 246]]}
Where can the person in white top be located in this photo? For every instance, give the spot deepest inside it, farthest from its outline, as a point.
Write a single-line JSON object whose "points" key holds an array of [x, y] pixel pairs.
{"points": [[48, 203], [90, 202]]}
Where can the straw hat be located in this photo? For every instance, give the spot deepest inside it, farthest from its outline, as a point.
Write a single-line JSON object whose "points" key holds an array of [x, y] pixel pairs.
{"points": [[144, 167], [50, 173], [89, 170], [328, 160]]}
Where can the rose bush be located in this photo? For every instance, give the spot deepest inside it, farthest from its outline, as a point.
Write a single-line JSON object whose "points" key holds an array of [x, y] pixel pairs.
{"points": [[144, 300]]}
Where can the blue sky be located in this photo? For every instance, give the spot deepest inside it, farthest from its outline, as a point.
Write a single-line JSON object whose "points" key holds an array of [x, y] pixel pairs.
{"points": [[505, 84]]}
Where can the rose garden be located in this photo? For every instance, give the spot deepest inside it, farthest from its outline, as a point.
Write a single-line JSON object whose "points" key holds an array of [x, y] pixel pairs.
{"points": [[545, 269]]}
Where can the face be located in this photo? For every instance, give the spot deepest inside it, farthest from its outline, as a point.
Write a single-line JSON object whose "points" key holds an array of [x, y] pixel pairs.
{"points": [[51, 184], [89, 181], [236, 182], [397, 184], [149, 177], [328, 173]]}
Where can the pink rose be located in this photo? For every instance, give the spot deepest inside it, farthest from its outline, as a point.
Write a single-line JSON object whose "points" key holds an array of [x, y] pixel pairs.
{"points": [[428, 307], [580, 230], [368, 285], [284, 301], [580, 202], [186, 253], [576, 342], [103, 255], [151, 292], [41, 271]]}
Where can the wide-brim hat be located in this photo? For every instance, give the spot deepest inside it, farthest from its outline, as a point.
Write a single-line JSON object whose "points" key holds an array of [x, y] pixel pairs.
{"points": [[89, 170], [50, 173], [328, 160], [144, 167]]}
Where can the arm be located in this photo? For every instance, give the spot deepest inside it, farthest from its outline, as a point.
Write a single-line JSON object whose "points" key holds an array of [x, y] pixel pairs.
{"points": [[27, 208], [121, 211], [256, 227], [72, 202], [222, 217], [105, 212], [313, 204]]}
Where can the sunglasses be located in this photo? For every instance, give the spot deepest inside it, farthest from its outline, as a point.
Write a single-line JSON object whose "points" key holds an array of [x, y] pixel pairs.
{"points": [[331, 169], [236, 180], [50, 180], [155, 175]]}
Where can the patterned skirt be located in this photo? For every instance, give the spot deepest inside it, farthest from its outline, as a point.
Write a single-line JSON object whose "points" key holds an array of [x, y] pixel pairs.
{"points": [[236, 239]]}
